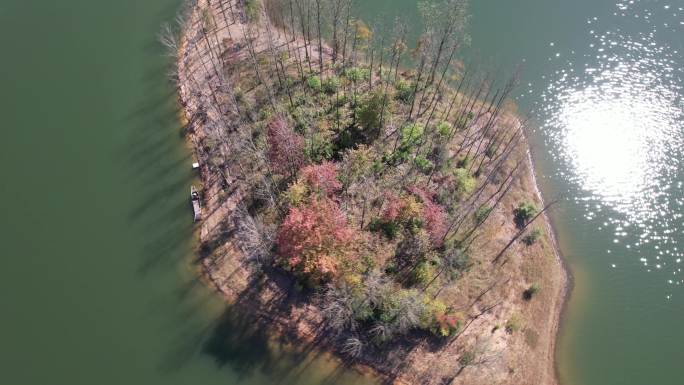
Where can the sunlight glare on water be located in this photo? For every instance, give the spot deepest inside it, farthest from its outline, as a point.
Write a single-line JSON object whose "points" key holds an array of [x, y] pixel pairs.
{"points": [[616, 115], [616, 132]]}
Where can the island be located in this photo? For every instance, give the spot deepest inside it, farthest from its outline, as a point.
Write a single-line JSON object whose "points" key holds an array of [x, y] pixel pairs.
{"points": [[367, 198]]}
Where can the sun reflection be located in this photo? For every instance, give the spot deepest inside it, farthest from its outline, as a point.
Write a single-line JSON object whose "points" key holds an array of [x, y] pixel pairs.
{"points": [[615, 133], [614, 120], [617, 130]]}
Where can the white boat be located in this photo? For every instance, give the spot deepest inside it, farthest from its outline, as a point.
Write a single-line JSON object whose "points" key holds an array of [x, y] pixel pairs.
{"points": [[196, 204]]}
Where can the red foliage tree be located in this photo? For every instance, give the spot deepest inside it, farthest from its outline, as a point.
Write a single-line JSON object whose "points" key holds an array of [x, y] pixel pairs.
{"points": [[393, 207], [322, 178], [434, 218], [314, 240], [285, 147]]}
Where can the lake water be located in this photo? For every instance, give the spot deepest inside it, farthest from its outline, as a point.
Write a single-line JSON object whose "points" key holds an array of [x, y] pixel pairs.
{"points": [[97, 283], [603, 81]]}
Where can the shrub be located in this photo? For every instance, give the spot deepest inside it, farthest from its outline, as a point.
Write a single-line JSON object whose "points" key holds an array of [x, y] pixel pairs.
{"points": [[296, 193], [389, 228], [423, 273], [404, 91], [491, 150], [444, 322], [314, 240], [314, 82], [411, 134], [524, 212], [531, 291], [356, 74], [341, 100], [464, 182], [252, 8], [532, 237], [482, 213], [444, 128], [356, 163], [239, 94], [531, 338], [319, 146], [413, 249], [423, 164], [331, 84], [514, 323], [207, 21], [455, 262], [467, 358]]}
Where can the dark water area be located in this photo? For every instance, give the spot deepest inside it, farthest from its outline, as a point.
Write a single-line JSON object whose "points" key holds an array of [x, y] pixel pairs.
{"points": [[98, 283]]}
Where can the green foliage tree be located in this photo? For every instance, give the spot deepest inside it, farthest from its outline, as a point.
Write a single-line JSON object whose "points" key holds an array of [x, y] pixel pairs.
{"points": [[370, 114], [314, 82], [524, 212]]}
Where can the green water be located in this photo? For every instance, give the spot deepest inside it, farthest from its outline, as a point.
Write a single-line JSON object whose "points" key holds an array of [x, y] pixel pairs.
{"points": [[97, 280]]}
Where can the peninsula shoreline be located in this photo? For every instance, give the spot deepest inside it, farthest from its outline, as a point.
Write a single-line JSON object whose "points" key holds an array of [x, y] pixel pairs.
{"points": [[196, 101]]}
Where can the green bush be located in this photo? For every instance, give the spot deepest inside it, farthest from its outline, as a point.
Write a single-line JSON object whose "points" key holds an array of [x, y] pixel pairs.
{"points": [[264, 114], [482, 213], [404, 91], [341, 100], [252, 8], [423, 164], [532, 237], [524, 212], [356, 74], [531, 291], [464, 162], [389, 228], [464, 182], [467, 358], [319, 147], [454, 261], [444, 128], [423, 273], [331, 85], [314, 82], [411, 134], [514, 323], [409, 137]]}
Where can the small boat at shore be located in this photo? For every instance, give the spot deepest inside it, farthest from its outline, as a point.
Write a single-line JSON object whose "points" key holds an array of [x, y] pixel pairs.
{"points": [[196, 204]]}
